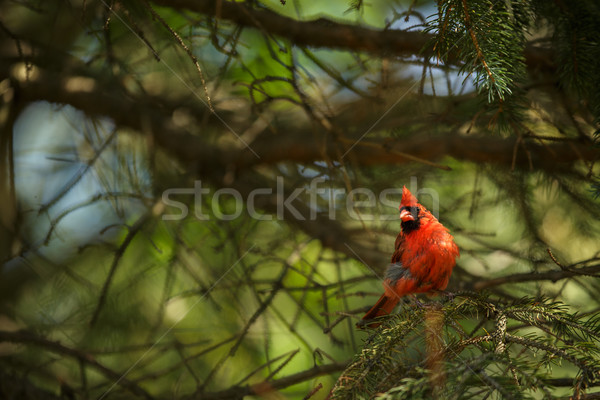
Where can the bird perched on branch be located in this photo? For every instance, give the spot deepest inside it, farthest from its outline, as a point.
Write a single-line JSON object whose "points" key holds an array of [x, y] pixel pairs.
{"points": [[423, 260]]}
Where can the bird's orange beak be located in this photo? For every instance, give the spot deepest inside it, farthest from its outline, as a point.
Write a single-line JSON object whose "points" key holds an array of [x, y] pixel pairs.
{"points": [[405, 215]]}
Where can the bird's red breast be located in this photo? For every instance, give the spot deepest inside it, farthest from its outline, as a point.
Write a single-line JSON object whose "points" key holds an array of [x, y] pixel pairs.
{"points": [[424, 256]]}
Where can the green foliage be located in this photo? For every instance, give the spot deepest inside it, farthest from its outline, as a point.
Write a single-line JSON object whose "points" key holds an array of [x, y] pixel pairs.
{"points": [[485, 348], [576, 41], [489, 39], [596, 190]]}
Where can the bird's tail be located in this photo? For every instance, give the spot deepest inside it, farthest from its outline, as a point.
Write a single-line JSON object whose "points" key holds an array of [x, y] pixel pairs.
{"points": [[384, 306]]}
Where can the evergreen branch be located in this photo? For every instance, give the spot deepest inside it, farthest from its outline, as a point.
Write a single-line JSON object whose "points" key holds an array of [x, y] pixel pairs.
{"points": [[495, 384], [480, 55], [366, 369], [591, 373], [532, 315], [469, 360], [325, 32], [495, 51], [457, 348]]}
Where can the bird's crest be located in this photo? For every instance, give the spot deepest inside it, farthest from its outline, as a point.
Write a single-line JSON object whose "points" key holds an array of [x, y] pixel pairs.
{"points": [[408, 200]]}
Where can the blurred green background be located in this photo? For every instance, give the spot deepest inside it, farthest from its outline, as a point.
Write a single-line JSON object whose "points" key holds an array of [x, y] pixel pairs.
{"points": [[106, 106]]}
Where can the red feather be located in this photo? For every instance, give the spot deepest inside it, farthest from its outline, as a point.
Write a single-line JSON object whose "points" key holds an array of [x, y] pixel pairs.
{"points": [[424, 256]]}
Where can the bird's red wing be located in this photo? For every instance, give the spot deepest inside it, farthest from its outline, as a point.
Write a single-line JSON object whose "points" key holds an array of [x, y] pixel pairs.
{"points": [[386, 303], [399, 248]]}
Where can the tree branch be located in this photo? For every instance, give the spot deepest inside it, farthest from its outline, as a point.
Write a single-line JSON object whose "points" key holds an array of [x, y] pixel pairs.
{"points": [[140, 111], [23, 337], [324, 32], [321, 32], [237, 392], [538, 276], [13, 386]]}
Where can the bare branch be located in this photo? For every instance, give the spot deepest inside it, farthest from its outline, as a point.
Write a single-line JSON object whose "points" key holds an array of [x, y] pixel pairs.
{"points": [[131, 111], [263, 387], [553, 276], [321, 32], [27, 338]]}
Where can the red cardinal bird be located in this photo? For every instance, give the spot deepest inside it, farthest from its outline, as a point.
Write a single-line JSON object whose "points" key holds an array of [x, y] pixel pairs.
{"points": [[423, 260]]}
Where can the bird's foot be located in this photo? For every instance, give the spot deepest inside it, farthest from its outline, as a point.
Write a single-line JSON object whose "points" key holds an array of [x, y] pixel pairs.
{"points": [[449, 295], [417, 302]]}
